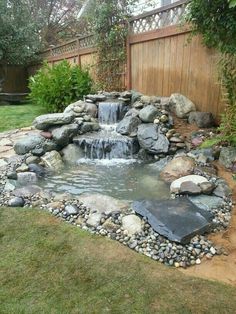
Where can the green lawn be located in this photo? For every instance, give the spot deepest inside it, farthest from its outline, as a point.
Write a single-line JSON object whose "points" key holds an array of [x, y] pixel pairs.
{"points": [[48, 266], [18, 116]]}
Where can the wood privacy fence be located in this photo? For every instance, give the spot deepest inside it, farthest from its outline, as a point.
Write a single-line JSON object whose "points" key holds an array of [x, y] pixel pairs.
{"points": [[161, 58]]}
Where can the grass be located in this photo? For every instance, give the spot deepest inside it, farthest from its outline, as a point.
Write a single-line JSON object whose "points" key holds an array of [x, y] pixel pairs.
{"points": [[48, 266], [18, 116]]}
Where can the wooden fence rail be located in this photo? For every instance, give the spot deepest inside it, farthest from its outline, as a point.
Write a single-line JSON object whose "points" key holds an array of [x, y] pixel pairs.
{"points": [[160, 58]]}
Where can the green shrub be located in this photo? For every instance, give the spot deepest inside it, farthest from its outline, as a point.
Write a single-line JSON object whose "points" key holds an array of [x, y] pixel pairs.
{"points": [[56, 87]]}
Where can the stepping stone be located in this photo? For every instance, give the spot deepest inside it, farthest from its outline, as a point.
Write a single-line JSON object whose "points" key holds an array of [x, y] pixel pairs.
{"points": [[178, 220]]}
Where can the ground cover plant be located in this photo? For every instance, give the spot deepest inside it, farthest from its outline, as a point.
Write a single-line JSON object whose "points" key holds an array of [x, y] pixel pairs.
{"points": [[50, 267], [56, 87], [17, 116]]}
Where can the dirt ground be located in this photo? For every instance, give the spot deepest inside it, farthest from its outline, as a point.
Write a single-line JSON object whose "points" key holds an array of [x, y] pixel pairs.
{"points": [[223, 267]]}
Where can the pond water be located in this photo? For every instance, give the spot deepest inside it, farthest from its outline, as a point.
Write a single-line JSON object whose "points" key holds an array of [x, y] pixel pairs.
{"points": [[122, 179]]}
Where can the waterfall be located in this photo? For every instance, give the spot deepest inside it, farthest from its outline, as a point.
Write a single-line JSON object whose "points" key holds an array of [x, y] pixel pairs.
{"points": [[107, 143], [110, 112]]}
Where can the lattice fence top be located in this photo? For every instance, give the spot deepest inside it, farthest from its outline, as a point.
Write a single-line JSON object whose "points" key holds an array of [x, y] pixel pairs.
{"points": [[70, 46], [168, 15]]}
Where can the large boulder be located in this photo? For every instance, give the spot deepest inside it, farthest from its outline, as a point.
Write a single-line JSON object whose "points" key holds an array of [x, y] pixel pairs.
{"points": [[151, 139], [181, 105], [148, 114], [72, 153], [52, 160], [27, 144], [64, 134], [228, 156], [129, 124], [178, 167], [46, 121], [202, 119]]}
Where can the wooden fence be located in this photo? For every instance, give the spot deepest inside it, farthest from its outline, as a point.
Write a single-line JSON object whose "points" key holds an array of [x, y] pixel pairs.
{"points": [[161, 59]]}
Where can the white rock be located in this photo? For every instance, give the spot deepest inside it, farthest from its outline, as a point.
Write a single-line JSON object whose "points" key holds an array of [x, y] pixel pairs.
{"points": [[175, 185], [94, 219], [132, 224]]}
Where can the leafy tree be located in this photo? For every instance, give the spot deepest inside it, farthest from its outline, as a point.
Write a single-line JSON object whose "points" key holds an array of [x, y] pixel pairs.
{"points": [[19, 34], [57, 19]]}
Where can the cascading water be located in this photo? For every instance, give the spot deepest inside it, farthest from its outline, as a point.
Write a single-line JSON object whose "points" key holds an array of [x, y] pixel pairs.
{"points": [[108, 165], [107, 143]]}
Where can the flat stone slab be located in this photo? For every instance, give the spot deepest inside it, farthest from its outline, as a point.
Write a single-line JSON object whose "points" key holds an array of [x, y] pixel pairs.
{"points": [[178, 220], [100, 203]]}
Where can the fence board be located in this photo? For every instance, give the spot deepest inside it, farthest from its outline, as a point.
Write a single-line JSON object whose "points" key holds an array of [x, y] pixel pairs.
{"points": [[163, 66]]}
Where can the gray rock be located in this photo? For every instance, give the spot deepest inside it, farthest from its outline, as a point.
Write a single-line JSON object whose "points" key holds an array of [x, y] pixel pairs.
{"points": [[175, 185], [79, 107], [206, 202], [3, 163], [207, 187], [148, 113], [132, 223], [222, 189], [96, 97], [26, 144], [26, 178], [178, 220], [53, 160], [39, 170], [151, 139], [32, 160], [71, 210], [10, 185], [181, 105], [89, 127], [38, 151], [16, 202], [202, 119], [227, 156], [27, 191], [136, 96], [12, 175], [71, 154], [190, 188], [129, 124], [46, 121], [50, 145], [64, 134]]}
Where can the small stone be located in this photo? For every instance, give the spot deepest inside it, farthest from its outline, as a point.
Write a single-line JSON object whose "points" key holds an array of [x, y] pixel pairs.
{"points": [[213, 250], [22, 168], [164, 118], [198, 261], [25, 178], [177, 265], [16, 202], [207, 187], [71, 210]]}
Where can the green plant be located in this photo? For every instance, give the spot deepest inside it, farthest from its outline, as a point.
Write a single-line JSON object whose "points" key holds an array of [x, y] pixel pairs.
{"points": [[56, 87], [216, 22], [110, 27]]}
